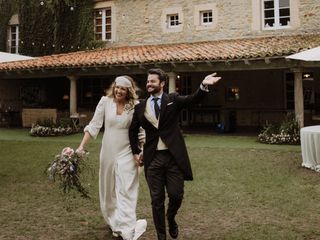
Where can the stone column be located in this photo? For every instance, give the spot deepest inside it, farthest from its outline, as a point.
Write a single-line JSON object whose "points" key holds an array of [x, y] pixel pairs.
{"points": [[73, 94], [172, 82], [298, 96]]}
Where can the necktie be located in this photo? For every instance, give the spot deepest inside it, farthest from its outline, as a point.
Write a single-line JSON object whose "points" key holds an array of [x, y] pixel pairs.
{"points": [[156, 107]]}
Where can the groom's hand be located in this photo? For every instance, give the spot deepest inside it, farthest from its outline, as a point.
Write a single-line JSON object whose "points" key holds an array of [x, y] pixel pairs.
{"points": [[138, 158], [210, 79]]}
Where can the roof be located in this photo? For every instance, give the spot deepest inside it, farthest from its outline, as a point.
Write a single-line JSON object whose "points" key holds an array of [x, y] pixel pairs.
{"points": [[220, 50], [9, 57]]}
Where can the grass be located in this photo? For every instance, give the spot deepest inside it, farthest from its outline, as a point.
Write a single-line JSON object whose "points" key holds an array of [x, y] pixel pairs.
{"points": [[242, 190]]}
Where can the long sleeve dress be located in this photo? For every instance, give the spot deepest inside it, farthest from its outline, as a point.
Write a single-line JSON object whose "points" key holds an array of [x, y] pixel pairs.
{"points": [[118, 175]]}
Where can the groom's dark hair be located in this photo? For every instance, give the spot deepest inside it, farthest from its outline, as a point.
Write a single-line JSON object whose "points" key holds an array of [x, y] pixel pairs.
{"points": [[163, 76]]}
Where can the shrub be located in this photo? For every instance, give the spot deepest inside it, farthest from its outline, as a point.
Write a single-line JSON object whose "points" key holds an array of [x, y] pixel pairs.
{"points": [[287, 133], [47, 127], [42, 131]]}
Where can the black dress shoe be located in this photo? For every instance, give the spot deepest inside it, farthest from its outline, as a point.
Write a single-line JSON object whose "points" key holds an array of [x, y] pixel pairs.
{"points": [[173, 229], [161, 236]]}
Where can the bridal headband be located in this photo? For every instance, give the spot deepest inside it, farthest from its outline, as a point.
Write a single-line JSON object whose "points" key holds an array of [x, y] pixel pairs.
{"points": [[123, 82]]}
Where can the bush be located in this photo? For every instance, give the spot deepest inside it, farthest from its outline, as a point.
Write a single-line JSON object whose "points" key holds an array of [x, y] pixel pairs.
{"points": [[48, 122], [42, 131], [287, 133], [47, 127]]}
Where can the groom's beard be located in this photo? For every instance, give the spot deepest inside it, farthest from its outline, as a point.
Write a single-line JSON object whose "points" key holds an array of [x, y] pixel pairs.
{"points": [[154, 89]]}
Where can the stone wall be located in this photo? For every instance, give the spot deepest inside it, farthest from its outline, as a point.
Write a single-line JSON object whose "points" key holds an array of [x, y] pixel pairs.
{"points": [[142, 22]]}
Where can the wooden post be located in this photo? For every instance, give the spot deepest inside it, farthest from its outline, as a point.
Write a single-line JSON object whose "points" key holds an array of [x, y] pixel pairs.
{"points": [[298, 96], [73, 94], [172, 81]]}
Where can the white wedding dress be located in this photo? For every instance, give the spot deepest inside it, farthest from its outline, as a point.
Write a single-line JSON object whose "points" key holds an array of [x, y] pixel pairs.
{"points": [[118, 175]]}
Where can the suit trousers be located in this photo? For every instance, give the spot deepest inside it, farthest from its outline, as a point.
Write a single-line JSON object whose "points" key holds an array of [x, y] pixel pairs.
{"points": [[163, 173]]}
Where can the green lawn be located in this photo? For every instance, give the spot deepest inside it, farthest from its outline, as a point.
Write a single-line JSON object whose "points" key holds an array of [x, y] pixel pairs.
{"points": [[242, 190]]}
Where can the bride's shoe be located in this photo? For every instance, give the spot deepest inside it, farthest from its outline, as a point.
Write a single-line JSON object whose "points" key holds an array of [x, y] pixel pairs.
{"points": [[115, 234], [128, 236], [140, 228]]}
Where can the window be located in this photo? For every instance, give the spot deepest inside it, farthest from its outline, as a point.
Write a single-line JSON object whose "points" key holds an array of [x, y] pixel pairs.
{"points": [[276, 14], [13, 39], [13, 34], [232, 94], [102, 24], [206, 17], [173, 20]]}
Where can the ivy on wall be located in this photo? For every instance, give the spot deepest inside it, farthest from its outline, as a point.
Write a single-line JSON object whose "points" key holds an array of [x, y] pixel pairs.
{"points": [[7, 9], [50, 26], [77, 30], [35, 28]]}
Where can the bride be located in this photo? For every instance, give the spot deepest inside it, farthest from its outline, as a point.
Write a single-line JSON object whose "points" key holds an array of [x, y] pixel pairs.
{"points": [[118, 173]]}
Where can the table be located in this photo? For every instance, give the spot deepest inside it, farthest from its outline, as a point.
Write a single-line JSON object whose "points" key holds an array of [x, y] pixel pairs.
{"points": [[310, 147], [76, 120]]}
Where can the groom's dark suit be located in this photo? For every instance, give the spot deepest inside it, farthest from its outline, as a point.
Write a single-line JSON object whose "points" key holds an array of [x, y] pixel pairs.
{"points": [[168, 130], [165, 168]]}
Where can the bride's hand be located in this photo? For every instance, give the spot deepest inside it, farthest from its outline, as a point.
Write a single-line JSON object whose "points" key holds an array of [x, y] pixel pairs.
{"points": [[80, 150]]}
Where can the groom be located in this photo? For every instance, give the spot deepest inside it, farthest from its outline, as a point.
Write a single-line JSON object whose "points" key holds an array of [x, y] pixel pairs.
{"points": [[165, 156]]}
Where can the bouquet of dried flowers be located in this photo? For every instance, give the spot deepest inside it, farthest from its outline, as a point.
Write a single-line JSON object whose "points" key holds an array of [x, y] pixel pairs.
{"points": [[66, 169]]}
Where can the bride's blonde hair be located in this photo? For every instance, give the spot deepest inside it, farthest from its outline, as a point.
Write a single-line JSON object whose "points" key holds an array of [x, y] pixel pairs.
{"points": [[131, 97]]}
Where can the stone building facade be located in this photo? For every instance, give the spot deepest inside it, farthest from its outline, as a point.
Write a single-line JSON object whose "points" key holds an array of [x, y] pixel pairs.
{"points": [[139, 22]]}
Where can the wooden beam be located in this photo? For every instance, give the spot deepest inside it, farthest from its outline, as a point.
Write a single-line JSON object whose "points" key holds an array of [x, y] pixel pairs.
{"points": [[191, 64], [246, 61], [141, 66]]}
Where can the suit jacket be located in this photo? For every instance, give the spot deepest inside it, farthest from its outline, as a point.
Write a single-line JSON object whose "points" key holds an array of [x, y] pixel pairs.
{"points": [[168, 129]]}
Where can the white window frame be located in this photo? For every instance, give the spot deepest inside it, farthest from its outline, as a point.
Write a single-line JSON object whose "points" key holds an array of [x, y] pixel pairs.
{"points": [[203, 17], [13, 22], [277, 16], [198, 16], [173, 23], [103, 33], [165, 20], [103, 7], [11, 41]]}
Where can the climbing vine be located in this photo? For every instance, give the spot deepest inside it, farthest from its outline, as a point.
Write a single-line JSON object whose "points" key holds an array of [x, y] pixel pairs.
{"points": [[36, 28], [49, 26]]}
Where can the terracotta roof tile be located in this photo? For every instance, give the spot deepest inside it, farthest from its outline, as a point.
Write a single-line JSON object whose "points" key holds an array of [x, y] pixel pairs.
{"points": [[235, 49]]}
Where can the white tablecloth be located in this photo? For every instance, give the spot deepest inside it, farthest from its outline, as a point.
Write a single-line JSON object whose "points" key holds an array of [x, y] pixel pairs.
{"points": [[310, 147]]}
